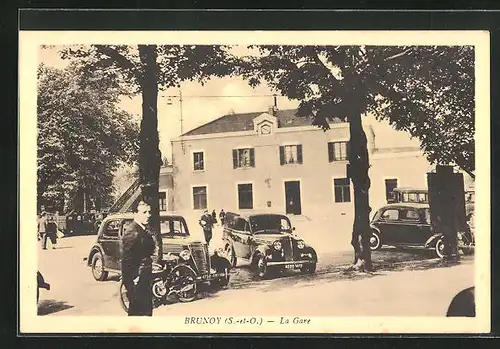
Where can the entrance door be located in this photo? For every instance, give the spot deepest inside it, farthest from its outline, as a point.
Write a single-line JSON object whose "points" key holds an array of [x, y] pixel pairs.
{"points": [[292, 197]]}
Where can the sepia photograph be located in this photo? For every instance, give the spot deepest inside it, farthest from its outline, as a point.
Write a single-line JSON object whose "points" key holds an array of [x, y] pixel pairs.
{"points": [[260, 182]]}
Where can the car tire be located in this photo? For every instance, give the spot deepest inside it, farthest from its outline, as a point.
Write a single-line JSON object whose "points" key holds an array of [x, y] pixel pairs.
{"points": [[98, 267], [439, 248], [375, 241], [124, 301], [261, 267], [231, 255], [308, 269]]}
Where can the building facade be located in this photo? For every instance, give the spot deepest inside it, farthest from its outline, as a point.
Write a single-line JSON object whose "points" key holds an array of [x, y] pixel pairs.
{"points": [[275, 161]]}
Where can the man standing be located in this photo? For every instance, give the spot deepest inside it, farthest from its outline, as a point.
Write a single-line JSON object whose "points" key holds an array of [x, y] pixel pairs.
{"points": [[207, 223], [138, 246], [50, 232], [42, 224]]}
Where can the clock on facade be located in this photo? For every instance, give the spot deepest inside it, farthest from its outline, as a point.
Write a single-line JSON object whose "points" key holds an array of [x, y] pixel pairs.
{"points": [[265, 129]]}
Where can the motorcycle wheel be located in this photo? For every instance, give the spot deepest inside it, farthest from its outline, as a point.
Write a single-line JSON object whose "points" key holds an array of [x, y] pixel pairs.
{"points": [[183, 277]]}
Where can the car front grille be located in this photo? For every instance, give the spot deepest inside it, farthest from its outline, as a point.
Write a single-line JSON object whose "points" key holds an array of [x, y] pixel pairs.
{"points": [[286, 245], [200, 257]]}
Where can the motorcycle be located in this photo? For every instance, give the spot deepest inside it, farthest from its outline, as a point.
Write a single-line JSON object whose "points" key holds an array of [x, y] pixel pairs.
{"points": [[40, 284], [168, 281]]}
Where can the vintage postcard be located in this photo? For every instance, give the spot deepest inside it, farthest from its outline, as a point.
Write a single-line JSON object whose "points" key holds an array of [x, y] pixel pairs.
{"points": [[306, 182]]}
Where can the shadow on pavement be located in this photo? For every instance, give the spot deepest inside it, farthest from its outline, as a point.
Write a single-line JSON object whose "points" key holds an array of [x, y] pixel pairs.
{"points": [[50, 306]]}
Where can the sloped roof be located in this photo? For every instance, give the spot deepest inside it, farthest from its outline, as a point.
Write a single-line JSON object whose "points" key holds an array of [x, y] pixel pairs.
{"points": [[244, 122]]}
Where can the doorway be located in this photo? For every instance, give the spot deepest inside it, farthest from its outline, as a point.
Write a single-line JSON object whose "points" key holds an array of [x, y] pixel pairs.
{"points": [[292, 197]]}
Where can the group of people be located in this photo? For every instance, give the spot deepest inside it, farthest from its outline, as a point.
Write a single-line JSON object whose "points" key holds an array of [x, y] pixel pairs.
{"points": [[207, 222], [47, 229]]}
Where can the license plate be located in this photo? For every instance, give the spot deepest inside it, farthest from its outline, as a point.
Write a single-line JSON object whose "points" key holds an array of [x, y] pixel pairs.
{"points": [[293, 266]]}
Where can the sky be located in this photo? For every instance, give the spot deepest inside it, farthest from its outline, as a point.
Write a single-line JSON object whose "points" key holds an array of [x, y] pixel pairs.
{"points": [[197, 110]]}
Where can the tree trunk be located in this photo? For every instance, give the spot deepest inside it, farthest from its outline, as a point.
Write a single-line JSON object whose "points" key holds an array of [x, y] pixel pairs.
{"points": [[149, 152], [358, 172]]}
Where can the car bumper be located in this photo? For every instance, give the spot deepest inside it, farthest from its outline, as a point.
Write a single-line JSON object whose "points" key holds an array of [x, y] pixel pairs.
{"points": [[292, 263]]}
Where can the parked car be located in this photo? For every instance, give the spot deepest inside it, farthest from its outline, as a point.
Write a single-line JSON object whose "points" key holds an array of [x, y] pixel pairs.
{"points": [[268, 241], [409, 225], [105, 255], [40, 284]]}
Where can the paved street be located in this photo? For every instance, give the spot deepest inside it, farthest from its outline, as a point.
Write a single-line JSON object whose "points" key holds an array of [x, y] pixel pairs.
{"points": [[75, 292]]}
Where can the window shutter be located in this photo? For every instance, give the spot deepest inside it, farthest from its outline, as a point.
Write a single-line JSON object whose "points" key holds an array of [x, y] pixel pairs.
{"points": [[348, 149], [235, 158], [299, 153], [330, 152], [252, 157], [282, 155]]}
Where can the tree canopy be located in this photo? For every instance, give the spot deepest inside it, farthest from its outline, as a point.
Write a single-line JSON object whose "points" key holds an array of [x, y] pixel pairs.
{"points": [[427, 91], [82, 137]]}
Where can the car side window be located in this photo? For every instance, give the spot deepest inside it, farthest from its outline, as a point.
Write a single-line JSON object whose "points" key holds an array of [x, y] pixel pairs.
{"points": [[240, 224], [390, 215], [112, 229], [411, 215], [125, 225]]}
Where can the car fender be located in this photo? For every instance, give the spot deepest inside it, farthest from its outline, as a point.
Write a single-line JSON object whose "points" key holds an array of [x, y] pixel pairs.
{"points": [[261, 249], [219, 263], [311, 250], [432, 240], [95, 249]]}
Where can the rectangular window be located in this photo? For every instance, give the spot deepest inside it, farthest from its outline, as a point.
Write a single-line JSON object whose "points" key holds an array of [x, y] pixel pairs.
{"points": [[291, 154], [245, 196], [342, 188], [338, 151], [198, 161], [243, 158], [163, 200], [390, 185], [200, 198]]}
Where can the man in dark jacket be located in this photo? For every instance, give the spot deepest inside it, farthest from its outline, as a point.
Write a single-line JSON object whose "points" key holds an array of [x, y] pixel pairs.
{"points": [[207, 224], [138, 246]]}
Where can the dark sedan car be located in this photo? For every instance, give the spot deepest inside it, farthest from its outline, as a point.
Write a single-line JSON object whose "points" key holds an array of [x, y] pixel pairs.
{"points": [[105, 254], [409, 225], [268, 242]]}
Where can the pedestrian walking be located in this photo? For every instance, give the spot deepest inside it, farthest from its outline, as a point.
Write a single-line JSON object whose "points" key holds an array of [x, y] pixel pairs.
{"points": [[206, 222], [222, 216], [42, 223], [138, 246], [214, 217], [50, 232]]}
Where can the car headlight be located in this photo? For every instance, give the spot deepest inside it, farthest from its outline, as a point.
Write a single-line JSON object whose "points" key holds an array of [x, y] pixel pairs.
{"points": [[185, 254], [301, 244], [277, 245]]}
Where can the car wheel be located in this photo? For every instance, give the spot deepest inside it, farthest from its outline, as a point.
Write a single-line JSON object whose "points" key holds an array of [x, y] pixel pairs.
{"points": [[124, 301], [223, 282], [261, 266], [98, 267], [375, 242], [231, 255], [183, 283], [439, 248], [466, 245], [308, 269]]}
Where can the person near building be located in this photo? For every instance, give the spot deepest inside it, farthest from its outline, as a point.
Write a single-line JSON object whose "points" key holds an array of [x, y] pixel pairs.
{"points": [[138, 247], [50, 232], [42, 223], [222, 216], [214, 217], [206, 222]]}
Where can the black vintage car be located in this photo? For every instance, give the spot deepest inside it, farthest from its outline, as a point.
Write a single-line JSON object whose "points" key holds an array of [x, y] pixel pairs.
{"points": [[268, 242], [105, 254], [409, 225]]}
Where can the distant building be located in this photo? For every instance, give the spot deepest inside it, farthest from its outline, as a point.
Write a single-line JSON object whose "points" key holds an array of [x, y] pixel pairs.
{"points": [[276, 161]]}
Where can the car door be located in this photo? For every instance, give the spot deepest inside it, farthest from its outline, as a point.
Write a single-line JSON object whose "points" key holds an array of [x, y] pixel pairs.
{"points": [[110, 242], [241, 237], [410, 228], [388, 224]]}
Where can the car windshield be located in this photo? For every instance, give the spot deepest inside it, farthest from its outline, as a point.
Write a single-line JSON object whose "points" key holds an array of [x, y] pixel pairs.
{"points": [[270, 224], [173, 226]]}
